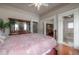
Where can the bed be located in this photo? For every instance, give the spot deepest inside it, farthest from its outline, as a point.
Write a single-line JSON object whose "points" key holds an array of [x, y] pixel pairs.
{"points": [[27, 44]]}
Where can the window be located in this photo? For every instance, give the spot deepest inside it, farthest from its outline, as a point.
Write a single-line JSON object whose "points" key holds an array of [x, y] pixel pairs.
{"points": [[70, 25], [16, 27], [19, 26], [35, 27], [25, 26]]}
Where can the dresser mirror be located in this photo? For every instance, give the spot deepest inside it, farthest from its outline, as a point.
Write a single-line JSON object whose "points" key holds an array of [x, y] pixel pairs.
{"points": [[19, 26]]}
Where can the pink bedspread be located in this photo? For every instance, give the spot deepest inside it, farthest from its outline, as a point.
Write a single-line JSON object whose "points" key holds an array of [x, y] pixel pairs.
{"points": [[27, 44]]}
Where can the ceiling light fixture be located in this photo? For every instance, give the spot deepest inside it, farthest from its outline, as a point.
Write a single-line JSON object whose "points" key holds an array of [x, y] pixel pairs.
{"points": [[38, 4]]}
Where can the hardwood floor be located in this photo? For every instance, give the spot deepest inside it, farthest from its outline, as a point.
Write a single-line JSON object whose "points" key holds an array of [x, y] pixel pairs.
{"points": [[66, 50], [62, 49]]}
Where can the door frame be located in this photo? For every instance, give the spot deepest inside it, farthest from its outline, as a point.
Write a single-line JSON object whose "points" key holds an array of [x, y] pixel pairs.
{"points": [[75, 12], [54, 18], [60, 25]]}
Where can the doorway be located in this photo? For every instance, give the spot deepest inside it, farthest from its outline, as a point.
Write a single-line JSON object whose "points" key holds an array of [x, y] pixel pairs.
{"points": [[68, 29], [49, 30]]}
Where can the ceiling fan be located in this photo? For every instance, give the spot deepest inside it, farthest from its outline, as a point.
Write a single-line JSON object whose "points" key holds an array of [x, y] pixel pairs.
{"points": [[38, 5]]}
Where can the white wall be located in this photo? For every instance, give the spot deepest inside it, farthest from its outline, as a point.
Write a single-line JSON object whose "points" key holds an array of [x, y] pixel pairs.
{"points": [[60, 10], [76, 28], [52, 13], [42, 25], [50, 20], [11, 12]]}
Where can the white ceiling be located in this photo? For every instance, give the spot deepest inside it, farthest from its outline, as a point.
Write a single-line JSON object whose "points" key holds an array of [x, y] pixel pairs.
{"points": [[43, 9]]}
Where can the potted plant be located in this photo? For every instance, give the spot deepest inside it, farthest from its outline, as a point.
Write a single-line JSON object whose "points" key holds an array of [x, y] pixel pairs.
{"points": [[3, 26]]}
